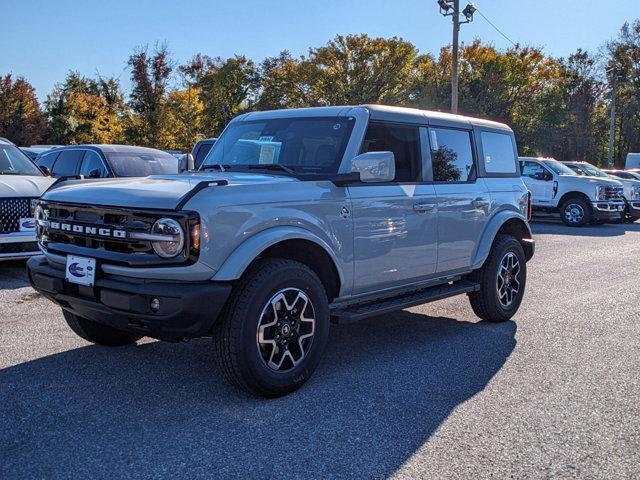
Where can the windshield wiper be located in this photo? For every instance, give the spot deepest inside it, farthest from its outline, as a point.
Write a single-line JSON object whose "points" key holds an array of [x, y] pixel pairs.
{"points": [[273, 166], [216, 166], [11, 173]]}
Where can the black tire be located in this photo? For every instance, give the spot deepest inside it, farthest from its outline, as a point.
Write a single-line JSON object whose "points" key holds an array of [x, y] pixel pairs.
{"points": [[241, 356], [486, 302], [97, 333], [575, 204]]}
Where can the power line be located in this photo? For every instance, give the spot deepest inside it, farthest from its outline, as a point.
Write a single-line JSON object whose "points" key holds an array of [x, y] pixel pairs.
{"points": [[493, 25]]}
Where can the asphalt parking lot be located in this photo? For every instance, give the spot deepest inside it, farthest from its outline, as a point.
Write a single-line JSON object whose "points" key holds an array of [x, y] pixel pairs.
{"points": [[426, 393]]}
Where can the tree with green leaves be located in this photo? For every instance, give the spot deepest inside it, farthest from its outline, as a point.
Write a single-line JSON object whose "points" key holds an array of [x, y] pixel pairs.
{"points": [[623, 58]]}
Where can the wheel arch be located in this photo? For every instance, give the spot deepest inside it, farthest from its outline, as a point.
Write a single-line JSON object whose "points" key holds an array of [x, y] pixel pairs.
{"points": [[290, 243], [507, 223], [575, 194]]}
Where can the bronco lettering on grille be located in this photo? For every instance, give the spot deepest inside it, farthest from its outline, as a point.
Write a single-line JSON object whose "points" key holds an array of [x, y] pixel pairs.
{"points": [[87, 230]]}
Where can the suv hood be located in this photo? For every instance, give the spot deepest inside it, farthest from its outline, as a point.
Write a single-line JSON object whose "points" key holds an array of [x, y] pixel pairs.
{"points": [[12, 186], [155, 192]]}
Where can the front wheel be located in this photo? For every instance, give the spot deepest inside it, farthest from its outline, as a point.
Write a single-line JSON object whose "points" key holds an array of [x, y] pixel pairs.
{"points": [[97, 333], [275, 329], [575, 212], [502, 280]]}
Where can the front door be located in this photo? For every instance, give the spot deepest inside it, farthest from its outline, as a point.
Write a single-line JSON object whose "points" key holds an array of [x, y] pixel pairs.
{"points": [[539, 181], [395, 224], [464, 202]]}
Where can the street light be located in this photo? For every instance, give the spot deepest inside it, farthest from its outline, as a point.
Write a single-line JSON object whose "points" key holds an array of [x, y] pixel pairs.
{"points": [[469, 10]]}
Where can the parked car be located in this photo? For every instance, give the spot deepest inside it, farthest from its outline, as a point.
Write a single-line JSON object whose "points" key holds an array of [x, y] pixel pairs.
{"points": [[200, 150], [578, 200], [631, 188], [106, 161], [623, 174], [34, 150], [21, 182], [633, 161], [358, 212]]}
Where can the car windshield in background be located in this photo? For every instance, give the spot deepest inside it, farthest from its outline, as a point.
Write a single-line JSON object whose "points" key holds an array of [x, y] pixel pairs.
{"points": [[302, 145], [14, 162], [558, 168], [134, 164], [589, 170]]}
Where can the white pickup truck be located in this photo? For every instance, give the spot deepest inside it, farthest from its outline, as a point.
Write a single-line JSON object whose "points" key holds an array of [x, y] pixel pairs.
{"points": [[631, 188], [21, 183], [579, 200]]}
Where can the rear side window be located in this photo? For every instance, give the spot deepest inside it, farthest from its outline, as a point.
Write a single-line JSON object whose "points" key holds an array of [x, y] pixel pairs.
{"points": [[499, 154], [451, 155], [403, 141], [47, 160], [67, 163]]}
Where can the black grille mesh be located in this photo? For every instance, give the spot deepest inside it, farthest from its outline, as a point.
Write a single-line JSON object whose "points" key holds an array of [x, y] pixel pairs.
{"points": [[11, 210]]}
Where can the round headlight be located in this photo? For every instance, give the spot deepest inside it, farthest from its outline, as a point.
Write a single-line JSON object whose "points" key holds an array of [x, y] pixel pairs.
{"points": [[174, 243]]}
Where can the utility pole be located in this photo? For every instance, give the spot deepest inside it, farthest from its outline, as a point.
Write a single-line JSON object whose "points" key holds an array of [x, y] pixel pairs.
{"points": [[612, 121], [452, 8], [454, 59]]}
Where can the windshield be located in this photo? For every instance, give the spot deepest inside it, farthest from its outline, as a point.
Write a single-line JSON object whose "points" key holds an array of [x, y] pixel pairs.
{"points": [[557, 167], [587, 169], [134, 164], [14, 162], [303, 145]]}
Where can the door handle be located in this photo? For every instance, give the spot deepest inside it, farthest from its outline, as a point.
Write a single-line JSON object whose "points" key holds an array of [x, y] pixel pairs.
{"points": [[423, 207]]}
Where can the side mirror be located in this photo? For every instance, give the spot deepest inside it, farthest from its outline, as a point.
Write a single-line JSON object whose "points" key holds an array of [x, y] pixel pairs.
{"points": [[45, 170], [186, 163], [95, 173], [375, 167]]}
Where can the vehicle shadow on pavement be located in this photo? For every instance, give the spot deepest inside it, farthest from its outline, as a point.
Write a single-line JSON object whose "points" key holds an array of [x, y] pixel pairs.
{"points": [[13, 274], [550, 227], [162, 410]]}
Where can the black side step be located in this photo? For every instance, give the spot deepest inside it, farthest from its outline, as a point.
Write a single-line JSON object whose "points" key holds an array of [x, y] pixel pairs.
{"points": [[360, 311]]}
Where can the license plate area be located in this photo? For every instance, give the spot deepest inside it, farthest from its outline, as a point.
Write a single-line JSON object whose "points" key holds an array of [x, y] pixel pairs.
{"points": [[81, 270]]}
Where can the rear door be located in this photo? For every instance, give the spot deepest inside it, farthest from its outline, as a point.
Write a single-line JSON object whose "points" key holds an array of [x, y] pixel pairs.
{"points": [[463, 198], [395, 223]]}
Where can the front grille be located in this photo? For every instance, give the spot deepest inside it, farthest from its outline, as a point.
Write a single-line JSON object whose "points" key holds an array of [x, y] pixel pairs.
{"points": [[11, 211], [113, 219], [613, 193], [96, 237], [21, 247]]}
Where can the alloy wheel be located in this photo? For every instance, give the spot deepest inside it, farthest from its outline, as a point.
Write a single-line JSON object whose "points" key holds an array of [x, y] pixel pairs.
{"points": [[508, 279], [285, 330], [574, 213]]}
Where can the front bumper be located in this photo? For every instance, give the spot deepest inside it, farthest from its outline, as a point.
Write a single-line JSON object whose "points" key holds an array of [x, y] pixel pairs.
{"points": [[17, 245], [608, 210], [633, 208], [187, 309]]}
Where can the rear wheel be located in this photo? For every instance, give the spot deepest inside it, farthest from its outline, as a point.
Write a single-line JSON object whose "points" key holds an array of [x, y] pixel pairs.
{"points": [[97, 333], [275, 329], [502, 281], [575, 212]]}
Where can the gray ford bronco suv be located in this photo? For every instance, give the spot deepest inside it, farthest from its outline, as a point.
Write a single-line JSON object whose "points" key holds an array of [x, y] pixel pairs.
{"points": [[297, 218]]}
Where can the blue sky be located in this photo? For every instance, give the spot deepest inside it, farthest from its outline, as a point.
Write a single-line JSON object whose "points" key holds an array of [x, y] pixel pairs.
{"points": [[42, 40]]}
